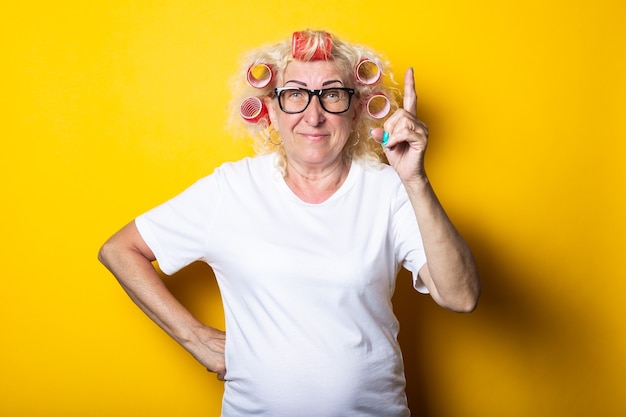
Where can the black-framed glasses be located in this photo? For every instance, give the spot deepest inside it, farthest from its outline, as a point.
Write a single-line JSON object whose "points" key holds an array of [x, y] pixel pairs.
{"points": [[294, 100]]}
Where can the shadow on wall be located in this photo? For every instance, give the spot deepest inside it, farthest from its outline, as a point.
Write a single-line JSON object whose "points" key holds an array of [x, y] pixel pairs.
{"points": [[521, 345], [411, 308], [430, 335]]}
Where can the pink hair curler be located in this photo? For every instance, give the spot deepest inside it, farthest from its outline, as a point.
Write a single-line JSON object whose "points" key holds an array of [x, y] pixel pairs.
{"points": [[301, 42], [378, 106], [253, 110], [259, 75], [368, 72]]}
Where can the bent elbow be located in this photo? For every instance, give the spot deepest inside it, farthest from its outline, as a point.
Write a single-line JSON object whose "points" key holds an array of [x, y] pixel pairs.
{"points": [[461, 306], [467, 306], [104, 254], [460, 301], [469, 301], [110, 252]]}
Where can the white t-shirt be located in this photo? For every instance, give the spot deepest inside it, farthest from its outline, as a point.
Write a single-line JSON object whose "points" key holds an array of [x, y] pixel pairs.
{"points": [[306, 288]]}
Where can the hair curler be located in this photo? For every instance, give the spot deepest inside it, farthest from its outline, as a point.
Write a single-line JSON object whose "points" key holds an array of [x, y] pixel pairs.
{"points": [[378, 106], [301, 42], [253, 110], [259, 75], [367, 72]]}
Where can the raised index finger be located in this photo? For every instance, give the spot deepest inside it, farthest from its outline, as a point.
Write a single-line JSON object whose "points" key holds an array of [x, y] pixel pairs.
{"points": [[410, 96]]}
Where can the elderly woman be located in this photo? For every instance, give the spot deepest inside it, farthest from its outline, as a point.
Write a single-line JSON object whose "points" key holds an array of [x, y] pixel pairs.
{"points": [[306, 239]]}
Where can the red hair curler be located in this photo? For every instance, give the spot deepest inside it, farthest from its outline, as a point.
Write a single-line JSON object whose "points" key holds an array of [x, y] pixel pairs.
{"points": [[253, 110], [259, 75], [301, 42], [367, 72], [378, 106]]}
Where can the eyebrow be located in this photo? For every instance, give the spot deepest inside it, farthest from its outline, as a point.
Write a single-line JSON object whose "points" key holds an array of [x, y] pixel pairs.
{"points": [[325, 83]]}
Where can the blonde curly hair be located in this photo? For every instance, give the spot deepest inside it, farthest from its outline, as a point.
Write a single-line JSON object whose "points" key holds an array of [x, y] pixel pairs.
{"points": [[360, 147]]}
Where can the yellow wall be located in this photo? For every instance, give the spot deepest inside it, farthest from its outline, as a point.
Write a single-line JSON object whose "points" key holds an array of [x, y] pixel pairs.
{"points": [[109, 108]]}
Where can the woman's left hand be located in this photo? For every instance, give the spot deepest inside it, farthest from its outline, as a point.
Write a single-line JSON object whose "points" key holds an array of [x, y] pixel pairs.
{"points": [[450, 271], [407, 136]]}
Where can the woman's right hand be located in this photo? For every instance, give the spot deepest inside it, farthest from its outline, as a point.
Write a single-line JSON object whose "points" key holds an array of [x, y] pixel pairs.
{"points": [[208, 348]]}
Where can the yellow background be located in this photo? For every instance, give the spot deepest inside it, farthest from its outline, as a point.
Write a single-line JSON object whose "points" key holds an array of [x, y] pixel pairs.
{"points": [[109, 108]]}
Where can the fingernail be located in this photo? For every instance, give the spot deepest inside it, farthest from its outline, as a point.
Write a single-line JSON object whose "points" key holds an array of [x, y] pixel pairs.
{"points": [[385, 138]]}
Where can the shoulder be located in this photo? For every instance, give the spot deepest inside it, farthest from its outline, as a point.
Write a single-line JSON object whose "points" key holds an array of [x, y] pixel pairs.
{"points": [[239, 165], [244, 169]]}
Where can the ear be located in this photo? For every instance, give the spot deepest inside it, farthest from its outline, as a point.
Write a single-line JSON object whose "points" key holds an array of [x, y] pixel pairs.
{"points": [[271, 110]]}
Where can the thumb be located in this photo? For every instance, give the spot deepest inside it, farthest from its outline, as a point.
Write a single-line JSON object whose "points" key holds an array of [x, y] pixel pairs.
{"points": [[377, 134]]}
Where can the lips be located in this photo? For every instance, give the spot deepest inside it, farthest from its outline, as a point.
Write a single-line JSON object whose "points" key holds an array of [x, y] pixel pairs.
{"points": [[315, 137]]}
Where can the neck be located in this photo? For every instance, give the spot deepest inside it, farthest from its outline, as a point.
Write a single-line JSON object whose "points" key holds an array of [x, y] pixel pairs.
{"points": [[316, 185]]}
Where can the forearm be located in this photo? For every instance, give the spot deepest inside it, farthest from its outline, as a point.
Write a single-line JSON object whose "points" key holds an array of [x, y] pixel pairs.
{"points": [[450, 273], [139, 279]]}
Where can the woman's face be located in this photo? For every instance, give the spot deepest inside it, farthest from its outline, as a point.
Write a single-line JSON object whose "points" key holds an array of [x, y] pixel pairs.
{"points": [[314, 138]]}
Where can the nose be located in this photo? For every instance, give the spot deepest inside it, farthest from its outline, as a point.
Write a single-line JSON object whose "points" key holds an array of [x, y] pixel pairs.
{"points": [[314, 113]]}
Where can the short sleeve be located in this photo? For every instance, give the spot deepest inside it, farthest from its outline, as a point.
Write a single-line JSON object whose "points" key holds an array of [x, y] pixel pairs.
{"points": [[176, 231], [408, 240]]}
